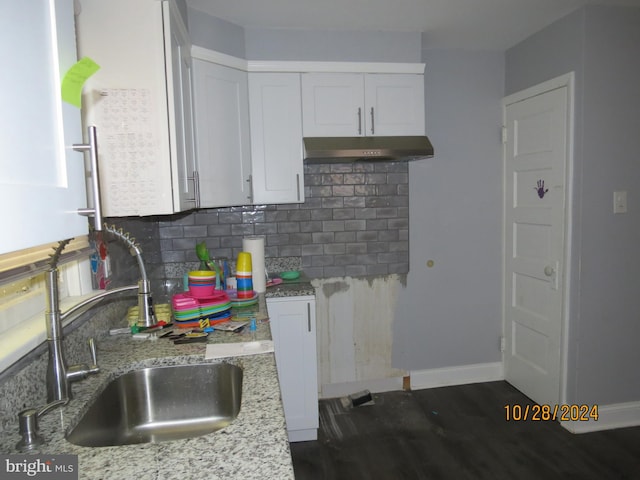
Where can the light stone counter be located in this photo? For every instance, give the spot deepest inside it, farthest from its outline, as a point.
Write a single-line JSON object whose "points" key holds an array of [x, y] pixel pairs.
{"points": [[254, 445], [291, 288]]}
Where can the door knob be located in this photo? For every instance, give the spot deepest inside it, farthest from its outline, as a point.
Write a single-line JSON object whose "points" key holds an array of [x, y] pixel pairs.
{"points": [[549, 270]]}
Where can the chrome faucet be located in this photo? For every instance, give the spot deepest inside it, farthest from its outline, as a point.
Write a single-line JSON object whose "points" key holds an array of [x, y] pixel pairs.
{"points": [[59, 375]]}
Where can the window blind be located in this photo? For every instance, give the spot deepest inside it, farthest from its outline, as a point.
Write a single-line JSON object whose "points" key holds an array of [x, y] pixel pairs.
{"points": [[31, 261]]}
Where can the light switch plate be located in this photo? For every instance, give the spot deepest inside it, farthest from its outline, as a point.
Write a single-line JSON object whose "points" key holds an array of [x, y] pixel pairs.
{"points": [[620, 201]]}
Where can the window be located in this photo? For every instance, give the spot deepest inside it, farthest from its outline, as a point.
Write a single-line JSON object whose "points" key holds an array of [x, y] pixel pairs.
{"points": [[23, 297]]}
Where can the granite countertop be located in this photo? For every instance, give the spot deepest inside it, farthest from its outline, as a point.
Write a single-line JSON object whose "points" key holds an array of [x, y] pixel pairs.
{"points": [[291, 288], [254, 445]]}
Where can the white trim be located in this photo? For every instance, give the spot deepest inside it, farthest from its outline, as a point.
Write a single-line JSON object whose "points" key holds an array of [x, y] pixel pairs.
{"points": [[298, 67], [567, 80], [458, 375], [219, 58], [334, 390], [336, 67], [619, 415]]}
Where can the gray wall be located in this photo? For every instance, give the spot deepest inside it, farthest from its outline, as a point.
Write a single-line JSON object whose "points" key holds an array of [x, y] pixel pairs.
{"points": [[216, 34], [337, 46], [549, 53], [602, 46], [607, 355], [449, 314], [304, 45]]}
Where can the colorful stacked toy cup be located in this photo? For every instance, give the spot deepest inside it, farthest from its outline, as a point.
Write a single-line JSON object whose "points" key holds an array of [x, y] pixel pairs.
{"points": [[244, 278], [202, 283]]}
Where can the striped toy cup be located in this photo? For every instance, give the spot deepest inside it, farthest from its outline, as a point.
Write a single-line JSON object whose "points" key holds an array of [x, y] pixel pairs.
{"points": [[244, 282], [244, 276], [202, 283]]}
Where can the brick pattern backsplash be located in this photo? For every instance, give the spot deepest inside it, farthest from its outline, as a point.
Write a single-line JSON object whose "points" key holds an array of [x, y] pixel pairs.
{"points": [[360, 219], [354, 222]]}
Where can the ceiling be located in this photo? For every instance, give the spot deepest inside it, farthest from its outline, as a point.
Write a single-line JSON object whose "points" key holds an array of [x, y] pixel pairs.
{"points": [[467, 24]]}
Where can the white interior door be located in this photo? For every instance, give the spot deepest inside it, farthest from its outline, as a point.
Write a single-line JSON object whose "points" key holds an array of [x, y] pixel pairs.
{"points": [[536, 159]]}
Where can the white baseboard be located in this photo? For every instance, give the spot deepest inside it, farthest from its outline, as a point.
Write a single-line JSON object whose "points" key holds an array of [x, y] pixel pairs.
{"points": [[619, 415], [438, 377], [335, 390], [459, 375]]}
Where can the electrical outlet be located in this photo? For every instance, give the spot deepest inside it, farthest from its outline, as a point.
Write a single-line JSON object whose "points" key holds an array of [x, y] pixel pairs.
{"points": [[620, 201]]}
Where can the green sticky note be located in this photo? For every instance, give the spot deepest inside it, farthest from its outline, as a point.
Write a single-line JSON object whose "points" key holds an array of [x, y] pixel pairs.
{"points": [[74, 79]]}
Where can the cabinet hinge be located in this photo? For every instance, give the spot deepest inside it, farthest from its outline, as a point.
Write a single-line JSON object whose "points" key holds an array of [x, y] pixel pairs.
{"points": [[502, 344], [504, 135]]}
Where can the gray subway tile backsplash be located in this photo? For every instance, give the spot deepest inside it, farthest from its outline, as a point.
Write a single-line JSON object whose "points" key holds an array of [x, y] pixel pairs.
{"points": [[354, 221]]}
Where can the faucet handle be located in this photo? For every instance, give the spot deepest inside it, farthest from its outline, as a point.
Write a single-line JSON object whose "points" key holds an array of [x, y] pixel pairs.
{"points": [[78, 372], [94, 355]]}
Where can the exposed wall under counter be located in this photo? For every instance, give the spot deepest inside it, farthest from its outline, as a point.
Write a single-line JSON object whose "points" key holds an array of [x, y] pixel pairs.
{"points": [[355, 321]]}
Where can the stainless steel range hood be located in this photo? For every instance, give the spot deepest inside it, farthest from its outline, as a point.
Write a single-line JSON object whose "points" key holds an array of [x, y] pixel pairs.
{"points": [[366, 149]]}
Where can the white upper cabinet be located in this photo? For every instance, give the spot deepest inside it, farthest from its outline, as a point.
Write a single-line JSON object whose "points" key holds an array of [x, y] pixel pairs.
{"points": [[222, 134], [333, 104], [362, 104], [276, 138], [140, 101], [42, 180], [179, 94], [394, 104]]}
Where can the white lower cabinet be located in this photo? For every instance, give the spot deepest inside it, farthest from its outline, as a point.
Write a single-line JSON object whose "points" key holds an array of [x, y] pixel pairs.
{"points": [[293, 328]]}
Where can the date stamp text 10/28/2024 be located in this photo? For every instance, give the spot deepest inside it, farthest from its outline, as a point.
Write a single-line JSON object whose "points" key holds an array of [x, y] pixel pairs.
{"points": [[543, 413]]}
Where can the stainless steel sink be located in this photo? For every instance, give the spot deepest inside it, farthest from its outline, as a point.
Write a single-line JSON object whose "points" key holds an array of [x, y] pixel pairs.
{"points": [[162, 403]]}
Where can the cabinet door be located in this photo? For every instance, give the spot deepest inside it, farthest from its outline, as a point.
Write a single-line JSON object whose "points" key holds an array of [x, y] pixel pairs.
{"points": [[394, 104], [333, 104], [223, 144], [135, 103], [179, 68], [293, 328], [41, 177], [276, 138]]}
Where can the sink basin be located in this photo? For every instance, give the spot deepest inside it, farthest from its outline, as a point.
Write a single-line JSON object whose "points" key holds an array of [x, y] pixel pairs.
{"points": [[162, 403]]}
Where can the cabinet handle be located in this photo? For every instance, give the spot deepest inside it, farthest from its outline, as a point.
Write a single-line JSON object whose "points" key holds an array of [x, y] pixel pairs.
{"points": [[298, 185], [359, 121], [195, 178], [309, 317], [372, 125], [249, 180], [92, 147], [196, 190]]}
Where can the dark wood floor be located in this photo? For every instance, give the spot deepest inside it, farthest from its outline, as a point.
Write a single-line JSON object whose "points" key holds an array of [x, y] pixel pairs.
{"points": [[457, 433]]}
